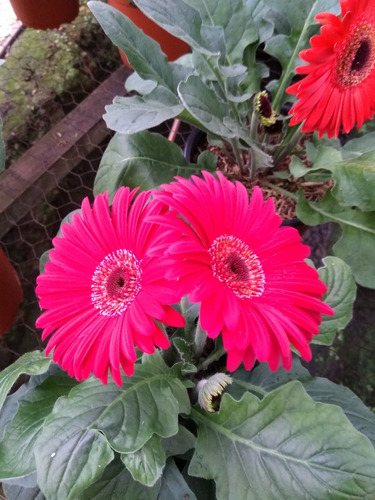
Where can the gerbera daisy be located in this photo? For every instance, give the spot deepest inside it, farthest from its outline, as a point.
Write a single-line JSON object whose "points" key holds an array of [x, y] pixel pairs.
{"points": [[103, 290], [338, 89], [248, 273]]}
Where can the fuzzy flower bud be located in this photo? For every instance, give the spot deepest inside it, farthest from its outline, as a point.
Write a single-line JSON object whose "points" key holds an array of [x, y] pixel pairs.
{"points": [[210, 390]]}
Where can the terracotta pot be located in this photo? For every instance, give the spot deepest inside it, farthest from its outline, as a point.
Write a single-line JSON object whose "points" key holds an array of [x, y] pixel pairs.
{"points": [[10, 293], [45, 14], [173, 47]]}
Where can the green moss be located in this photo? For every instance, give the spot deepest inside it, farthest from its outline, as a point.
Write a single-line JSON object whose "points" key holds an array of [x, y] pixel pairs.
{"points": [[46, 73]]}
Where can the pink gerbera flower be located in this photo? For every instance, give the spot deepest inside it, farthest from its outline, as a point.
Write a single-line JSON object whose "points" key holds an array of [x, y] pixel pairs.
{"points": [[338, 89], [103, 290], [247, 272]]}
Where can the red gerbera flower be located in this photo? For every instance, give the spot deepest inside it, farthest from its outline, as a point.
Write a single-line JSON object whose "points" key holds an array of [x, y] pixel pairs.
{"points": [[102, 289], [338, 89], [247, 272]]}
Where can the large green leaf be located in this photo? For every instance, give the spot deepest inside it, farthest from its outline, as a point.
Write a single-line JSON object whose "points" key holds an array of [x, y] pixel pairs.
{"points": [[208, 109], [341, 292], [178, 18], [74, 446], [32, 363], [146, 464], [355, 183], [180, 443], [15, 492], [143, 159], [143, 53], [129, 115], [299, 13], [149, 404], [357, 242], [286, 445], [361, 417], [238, 27], [116, 483], [173, 485], [16, 448], [262, 380]]}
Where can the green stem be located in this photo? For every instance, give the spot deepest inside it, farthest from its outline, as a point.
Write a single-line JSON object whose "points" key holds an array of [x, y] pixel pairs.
{"points": [[199, 340], [282, 191], [289, 143], [284, 80], [214, 356]]}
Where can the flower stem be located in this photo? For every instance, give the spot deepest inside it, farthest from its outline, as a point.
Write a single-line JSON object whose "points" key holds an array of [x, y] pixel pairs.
{"points": [[199, 340], [214, 356], [284, 80]]}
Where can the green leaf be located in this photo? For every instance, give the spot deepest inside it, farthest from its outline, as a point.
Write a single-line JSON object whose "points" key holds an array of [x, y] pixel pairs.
{"points": [[129, 115], [143, 53], [355, 183], [262, 380], [16, 448], [178, 18], [116, 483], [238, 27], [149, 404], [357, 242], [341, 293], [180, 443], [146, 465], [15, 492], [32, 363], [361, 417], [286, 445], [143, 159], [300, 12], [208, 109], [173, 485], [73, 448]]}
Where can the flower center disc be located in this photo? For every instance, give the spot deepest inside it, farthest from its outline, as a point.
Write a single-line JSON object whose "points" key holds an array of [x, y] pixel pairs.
{"points": [[234, 264], [116, 282], [356, 59]]}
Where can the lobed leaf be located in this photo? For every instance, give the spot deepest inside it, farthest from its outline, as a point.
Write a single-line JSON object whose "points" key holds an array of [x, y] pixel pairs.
{"points": [[173, 485], [146, 464], [357, 242], [341, 293], [129, 115], [116, 483], [286, 445], [76, 442], [17, 447], [143, 159], [143, 53], [31, 363]]}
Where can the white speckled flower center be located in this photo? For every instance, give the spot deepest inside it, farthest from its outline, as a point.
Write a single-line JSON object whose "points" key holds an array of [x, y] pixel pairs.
{"points": [[356, 59], [234, 264], [116, 282]]}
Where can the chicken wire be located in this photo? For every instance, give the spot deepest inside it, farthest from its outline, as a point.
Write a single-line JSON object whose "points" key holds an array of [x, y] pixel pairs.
{"points": [[33, 99]]}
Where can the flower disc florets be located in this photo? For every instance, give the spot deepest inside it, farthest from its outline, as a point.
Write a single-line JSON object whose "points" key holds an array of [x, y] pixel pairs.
{"points": [[116, 282]]}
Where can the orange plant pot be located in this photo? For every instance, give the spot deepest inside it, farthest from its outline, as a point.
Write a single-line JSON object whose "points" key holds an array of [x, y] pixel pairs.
{"points": [[173, 47], [10, 293], [45, 14]]}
